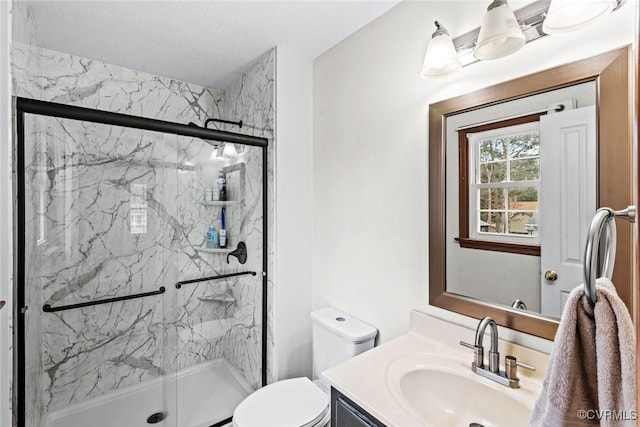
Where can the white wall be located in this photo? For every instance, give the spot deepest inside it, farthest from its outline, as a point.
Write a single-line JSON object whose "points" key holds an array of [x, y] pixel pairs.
{"points": [[5, 213], [294, 214], [370, 254]]}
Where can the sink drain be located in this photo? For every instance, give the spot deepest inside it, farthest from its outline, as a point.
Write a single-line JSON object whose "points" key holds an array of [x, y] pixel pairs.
{"points": [[475, 425], [157, 417]]}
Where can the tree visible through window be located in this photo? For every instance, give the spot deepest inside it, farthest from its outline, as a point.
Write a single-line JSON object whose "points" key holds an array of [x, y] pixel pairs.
{"points": [[506, 180], [500, 180]]}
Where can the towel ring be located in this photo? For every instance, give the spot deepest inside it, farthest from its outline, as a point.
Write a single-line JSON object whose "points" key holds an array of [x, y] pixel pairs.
{"points": [[602, 222]]}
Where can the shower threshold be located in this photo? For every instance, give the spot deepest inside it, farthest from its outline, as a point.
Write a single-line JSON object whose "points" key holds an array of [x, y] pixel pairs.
{"points": [[197, 396]]}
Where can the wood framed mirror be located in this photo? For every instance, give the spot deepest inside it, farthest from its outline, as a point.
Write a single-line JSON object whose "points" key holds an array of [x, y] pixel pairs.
{"points": [[611, 73]]}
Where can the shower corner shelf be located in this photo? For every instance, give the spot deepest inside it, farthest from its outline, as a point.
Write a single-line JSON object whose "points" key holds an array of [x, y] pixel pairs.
{"points": [[220, 202], [215, 251], [224, 298]]}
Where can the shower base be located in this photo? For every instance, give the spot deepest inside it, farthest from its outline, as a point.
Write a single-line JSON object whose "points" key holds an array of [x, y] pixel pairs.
{"points": [[197, 396]]}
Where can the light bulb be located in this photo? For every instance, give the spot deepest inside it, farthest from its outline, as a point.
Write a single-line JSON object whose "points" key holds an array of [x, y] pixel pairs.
{"points": [[441, 57]]}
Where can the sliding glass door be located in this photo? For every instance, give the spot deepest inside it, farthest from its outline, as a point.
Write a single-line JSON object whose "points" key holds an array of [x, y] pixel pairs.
{"points": [[134, 316]]}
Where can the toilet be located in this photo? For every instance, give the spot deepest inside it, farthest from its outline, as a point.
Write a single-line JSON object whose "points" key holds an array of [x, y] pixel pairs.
{"points": [[300, 402]]}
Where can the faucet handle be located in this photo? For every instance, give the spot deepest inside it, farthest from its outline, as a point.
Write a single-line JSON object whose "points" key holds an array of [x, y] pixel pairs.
{"points": [[478, 353], [526, 366], [466, 344], [510, 367]]}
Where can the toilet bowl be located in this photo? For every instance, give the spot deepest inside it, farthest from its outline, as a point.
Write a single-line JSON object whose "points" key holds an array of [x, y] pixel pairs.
{"points": [[299, 402], [296, 402]]}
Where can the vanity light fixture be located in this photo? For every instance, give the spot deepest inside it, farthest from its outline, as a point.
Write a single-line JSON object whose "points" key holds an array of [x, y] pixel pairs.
{"points": [[500, 34], [568, 15], [224, 150], [441, 57], [532, 21]]}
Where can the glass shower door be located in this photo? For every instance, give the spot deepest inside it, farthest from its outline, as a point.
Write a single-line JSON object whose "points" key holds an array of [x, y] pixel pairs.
{"points": [[132, 318], [95, 231], [214, 324]]}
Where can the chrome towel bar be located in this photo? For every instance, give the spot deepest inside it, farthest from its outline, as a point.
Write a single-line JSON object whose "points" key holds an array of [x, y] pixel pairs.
{"points": [[602, 221]]}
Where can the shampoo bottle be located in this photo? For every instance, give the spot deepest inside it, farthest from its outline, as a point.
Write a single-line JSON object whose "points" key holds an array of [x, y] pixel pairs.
{"points": [[212, 238], [218, 186], [223, 190]]}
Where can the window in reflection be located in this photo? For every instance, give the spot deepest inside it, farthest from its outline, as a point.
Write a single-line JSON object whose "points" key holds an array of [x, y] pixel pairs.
{"points": [[138, 209], [504, 182]]}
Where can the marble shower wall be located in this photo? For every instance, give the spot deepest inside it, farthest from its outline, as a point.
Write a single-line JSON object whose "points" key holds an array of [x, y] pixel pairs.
{"points": [[24, 53], [115, 211], [251, 99]]}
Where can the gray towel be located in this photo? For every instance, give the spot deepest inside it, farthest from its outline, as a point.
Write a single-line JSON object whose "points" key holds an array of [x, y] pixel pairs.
{"points": [[591, 379]]}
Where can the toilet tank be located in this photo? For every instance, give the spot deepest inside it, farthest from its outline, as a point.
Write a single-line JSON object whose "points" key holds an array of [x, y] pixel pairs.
{"points": [[338, 337]]}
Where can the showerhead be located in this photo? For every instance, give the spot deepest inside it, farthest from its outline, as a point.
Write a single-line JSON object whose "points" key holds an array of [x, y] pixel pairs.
{"points": [[214, 144]]}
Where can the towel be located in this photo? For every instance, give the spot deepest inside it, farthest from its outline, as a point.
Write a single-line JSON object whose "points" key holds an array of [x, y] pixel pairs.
{"points": [[591, 379]]}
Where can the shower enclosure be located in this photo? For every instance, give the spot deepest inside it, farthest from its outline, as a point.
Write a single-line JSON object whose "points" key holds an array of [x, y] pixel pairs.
{"points": [[127, 317]]}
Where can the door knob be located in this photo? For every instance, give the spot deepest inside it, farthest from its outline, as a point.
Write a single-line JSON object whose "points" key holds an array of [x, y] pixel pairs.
{"points": [[550, 275]]}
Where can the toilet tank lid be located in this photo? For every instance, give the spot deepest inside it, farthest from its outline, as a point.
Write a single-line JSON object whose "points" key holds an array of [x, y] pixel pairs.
{"points": [[344, 325]]}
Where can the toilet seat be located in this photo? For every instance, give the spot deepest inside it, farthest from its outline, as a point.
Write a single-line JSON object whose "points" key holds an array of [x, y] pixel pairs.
{"points": [[295, 402]]}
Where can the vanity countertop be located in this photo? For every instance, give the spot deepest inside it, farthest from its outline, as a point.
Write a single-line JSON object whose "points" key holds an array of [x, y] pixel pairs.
{"points": [[365, 378]]}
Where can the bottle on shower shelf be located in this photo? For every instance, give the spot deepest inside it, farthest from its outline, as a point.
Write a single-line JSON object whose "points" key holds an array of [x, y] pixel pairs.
{"points": [[223, 230], [208, 194], [223, 190], [212, 238], [217, 187]]}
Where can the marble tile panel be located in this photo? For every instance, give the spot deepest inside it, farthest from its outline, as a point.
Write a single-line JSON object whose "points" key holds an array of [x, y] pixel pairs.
{"points": [[252, 100]]}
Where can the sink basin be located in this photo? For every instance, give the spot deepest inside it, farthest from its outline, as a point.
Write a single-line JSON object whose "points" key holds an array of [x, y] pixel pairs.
{"points": [[443, 391]]}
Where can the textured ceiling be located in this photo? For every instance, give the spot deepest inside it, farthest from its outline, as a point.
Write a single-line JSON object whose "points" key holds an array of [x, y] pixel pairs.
{"points": [[205, 42]]}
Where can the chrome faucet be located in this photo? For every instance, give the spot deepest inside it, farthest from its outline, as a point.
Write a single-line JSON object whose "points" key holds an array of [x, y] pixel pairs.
{"points": [[508, 377], [494, 355]]}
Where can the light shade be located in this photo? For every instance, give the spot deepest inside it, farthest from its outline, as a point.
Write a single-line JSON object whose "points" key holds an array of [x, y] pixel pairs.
{"points": [[228, 150], [441, 57], [500, 33], [567, 15]]}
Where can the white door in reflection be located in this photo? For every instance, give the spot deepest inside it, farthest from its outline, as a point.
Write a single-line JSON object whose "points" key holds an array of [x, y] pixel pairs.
{"points": [[567, 201]]}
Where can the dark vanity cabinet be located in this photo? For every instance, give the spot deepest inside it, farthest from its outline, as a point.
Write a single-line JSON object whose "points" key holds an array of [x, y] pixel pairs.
{"points": [[345, 413]]}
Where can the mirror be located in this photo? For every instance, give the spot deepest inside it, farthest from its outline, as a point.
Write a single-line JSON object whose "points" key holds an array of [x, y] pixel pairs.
{"points": [[479, 150]]}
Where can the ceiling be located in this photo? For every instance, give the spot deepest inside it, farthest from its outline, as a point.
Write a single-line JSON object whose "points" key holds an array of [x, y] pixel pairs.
{"points": [[210, 43]]}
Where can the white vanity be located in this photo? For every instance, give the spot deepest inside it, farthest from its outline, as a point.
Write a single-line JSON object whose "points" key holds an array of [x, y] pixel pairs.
{"points": [[424, 378]]}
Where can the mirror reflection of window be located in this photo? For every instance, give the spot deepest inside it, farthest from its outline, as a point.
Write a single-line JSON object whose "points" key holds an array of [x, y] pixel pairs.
{"points": [[504, 184], [138, 209], [499, 185]]}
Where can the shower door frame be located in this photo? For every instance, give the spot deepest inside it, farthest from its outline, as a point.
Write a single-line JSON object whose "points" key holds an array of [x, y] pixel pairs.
{"points": [[45, 108]]}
